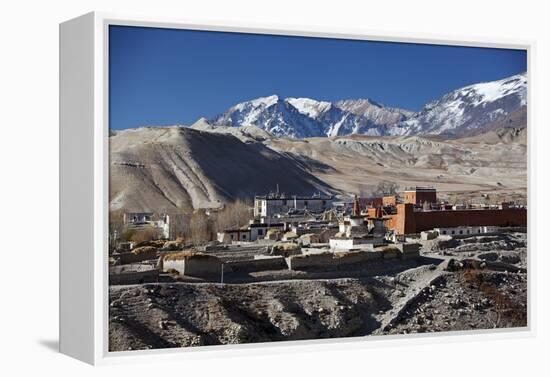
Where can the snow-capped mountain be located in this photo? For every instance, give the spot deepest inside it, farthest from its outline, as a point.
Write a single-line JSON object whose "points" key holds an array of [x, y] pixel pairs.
{"points": [[306, 117], [377, 113], [468, 109], [272, 114], [457, 113]]}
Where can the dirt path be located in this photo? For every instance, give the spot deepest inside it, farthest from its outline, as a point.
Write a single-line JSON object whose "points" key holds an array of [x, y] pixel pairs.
{"points": [[411, 289]]}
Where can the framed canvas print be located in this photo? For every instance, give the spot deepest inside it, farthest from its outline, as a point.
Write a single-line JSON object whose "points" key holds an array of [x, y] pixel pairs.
{"points": [[224, 187]]}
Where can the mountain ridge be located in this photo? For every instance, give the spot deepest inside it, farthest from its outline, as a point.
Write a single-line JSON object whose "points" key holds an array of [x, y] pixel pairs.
{"points": [[457, 113]]}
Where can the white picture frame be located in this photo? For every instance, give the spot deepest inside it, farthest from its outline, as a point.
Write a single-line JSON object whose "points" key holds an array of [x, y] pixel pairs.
{"points": [[84, 188]]}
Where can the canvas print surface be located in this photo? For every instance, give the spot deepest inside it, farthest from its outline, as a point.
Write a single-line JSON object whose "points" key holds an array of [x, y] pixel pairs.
{"points": [[273, 188]]}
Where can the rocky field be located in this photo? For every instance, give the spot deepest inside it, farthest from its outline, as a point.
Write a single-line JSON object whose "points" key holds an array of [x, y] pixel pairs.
{"points": [[466, 300]]}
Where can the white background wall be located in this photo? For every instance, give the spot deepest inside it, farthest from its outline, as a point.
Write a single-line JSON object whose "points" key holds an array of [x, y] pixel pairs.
{"points": [[29, 185]]}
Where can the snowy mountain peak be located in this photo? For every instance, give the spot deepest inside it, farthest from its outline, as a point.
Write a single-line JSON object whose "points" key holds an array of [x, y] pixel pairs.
{"points": [[265, 101], [495, 90], [261, 102], [469, 109], [309, 107]]}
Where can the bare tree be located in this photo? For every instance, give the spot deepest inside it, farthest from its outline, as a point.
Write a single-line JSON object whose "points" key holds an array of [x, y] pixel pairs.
{"points": [[234, 215], [116, 228], [201, 228], [385, 188], [148, 234], [180, 225]]}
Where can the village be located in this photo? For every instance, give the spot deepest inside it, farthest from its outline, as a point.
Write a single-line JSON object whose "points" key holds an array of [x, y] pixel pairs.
{"points": [[291, 236], [307, 267]]}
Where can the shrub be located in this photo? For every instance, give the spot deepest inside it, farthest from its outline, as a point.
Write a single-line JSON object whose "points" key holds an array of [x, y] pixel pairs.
{"points": [[127, 234], [144, 235]]}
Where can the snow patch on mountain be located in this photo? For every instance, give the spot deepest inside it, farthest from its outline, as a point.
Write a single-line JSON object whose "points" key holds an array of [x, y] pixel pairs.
{"points": [[309, 107], [495, 90]]}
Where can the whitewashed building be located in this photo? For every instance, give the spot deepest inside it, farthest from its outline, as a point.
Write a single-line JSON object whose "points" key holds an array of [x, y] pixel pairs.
{"points": [[466, 230], [249, 233], [351, 243], [269, 206]]}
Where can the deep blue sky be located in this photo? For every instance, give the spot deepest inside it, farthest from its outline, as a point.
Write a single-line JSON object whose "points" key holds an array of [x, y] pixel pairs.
{"points": [[168, 76]]}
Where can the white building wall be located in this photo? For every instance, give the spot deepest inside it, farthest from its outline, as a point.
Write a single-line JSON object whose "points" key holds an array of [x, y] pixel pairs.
{"points": [[466, 230], [271, 207], [343, 244]]}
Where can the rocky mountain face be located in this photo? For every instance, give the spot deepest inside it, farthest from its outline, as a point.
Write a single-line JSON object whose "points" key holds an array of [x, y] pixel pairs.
{"points": [[471, 109]]}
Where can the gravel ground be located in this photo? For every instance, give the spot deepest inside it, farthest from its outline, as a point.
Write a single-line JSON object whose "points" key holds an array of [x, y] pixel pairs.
{"points": [[160, 315], [465, 300]]}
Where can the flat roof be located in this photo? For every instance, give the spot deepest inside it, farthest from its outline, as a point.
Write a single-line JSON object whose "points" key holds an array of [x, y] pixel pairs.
{"points": [[414, 189]]}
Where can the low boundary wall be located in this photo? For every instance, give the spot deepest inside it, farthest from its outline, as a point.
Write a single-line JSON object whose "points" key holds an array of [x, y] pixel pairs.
{"points": [[127, 258], [137, 277], [259, 264], [345, 259]]}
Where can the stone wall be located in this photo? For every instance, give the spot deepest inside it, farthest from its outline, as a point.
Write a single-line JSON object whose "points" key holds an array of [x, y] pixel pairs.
{"points": [[408, 250], [194, 265], [258, 264], [127, 258], [136, 277], [298, 262]]}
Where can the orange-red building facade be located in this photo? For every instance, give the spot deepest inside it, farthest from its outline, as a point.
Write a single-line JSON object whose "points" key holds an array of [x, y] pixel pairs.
{"points": [[408, 221], [420, 196]]}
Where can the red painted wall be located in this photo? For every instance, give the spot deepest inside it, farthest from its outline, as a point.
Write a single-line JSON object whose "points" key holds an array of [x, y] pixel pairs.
{"points": [[419, 197], [408, 221]]}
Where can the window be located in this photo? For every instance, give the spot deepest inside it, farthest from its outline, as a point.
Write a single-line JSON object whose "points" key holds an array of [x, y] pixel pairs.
{"points": [[244, 236], [444, 232], [460, 232], [231, 237], [453, 232], [260, 232]]}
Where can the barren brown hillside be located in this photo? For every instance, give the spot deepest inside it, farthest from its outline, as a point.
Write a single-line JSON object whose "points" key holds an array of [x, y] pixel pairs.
{"points": [[163, 168]]}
